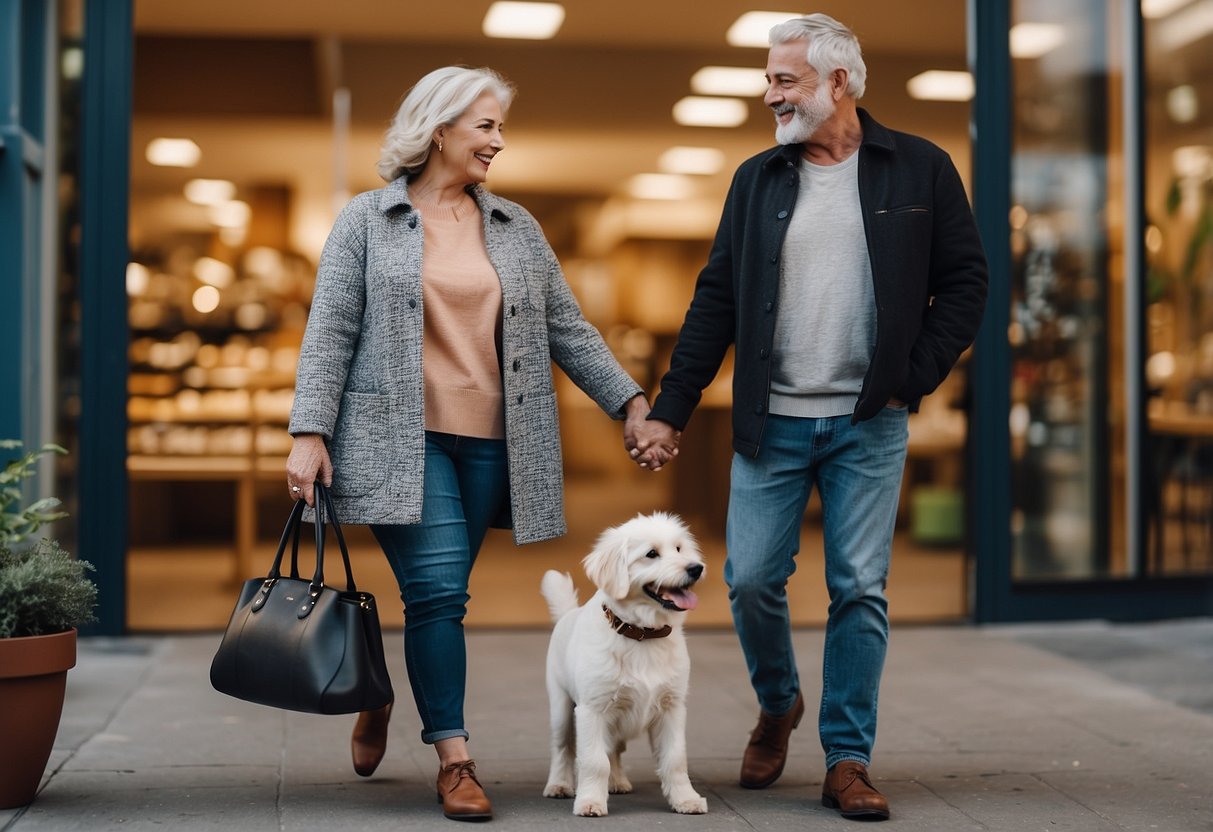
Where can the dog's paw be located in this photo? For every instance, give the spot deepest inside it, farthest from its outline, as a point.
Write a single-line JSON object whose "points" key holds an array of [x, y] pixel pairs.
{"points": [[557, 790], [620, 785], [691, 806], [590, 808]]}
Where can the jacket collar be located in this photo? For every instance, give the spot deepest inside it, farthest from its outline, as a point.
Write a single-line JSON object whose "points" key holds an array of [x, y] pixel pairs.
{"points": [[396, 195], [875, 135]]}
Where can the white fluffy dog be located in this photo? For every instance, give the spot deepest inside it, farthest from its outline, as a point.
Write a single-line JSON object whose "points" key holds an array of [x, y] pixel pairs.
{"points": [[618, 665]]}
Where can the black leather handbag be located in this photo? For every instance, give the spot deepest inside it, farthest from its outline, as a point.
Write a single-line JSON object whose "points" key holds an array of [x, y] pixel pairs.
{"points": [[302, 645]]}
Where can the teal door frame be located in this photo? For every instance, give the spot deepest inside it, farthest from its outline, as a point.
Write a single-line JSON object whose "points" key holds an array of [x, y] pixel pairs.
{"points": [[105, 193]]}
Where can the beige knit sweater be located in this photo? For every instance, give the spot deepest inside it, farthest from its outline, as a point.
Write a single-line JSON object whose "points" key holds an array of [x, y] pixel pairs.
{"points": [[462, 296]]}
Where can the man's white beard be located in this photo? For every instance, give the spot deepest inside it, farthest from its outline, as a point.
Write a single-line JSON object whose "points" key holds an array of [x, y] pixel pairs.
{"points": [[809, 115]]}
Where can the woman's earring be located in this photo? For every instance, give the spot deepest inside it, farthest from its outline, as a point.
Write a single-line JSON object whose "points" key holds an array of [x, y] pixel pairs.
{"points": [[440, 145]]}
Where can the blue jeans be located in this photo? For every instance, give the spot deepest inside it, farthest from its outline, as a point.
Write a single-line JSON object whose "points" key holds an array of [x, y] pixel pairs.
{"points": [[466, 486], [857, 469]]}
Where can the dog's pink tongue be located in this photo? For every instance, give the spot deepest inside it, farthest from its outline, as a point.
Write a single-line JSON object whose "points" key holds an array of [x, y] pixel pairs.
{"points": [[684, 599]]}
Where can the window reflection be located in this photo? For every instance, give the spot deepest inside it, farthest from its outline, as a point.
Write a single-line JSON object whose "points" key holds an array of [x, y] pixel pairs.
{"points": [[1179, 285], [1067, 469]]}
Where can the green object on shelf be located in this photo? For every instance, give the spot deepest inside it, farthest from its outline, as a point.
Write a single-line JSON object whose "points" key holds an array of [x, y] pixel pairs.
{"points": [[936, 515]]}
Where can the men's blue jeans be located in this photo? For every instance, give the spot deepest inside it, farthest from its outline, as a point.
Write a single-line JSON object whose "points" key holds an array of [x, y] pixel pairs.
{"points": [[466, 486], [857, 470]]}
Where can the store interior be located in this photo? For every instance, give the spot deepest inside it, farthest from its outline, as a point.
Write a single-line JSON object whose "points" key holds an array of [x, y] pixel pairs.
{"points": [[282, 106]]}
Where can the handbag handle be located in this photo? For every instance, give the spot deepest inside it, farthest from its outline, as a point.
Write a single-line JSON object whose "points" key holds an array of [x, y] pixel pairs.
{"points": [[324, 506]]}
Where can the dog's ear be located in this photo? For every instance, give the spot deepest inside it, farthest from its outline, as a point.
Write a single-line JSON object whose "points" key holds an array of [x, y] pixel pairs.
{"points": [[607, 564]]}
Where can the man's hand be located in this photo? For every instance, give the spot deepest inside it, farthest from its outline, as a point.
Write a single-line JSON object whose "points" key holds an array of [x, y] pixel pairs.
{"points": [[656, 443]]}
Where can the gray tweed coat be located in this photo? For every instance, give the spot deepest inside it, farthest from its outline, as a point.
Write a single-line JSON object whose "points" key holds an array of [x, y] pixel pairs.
{"points": [[360, 378]]}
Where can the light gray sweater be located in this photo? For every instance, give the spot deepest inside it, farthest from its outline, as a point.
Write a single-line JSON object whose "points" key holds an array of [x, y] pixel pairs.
{"points": [[826, 327]]}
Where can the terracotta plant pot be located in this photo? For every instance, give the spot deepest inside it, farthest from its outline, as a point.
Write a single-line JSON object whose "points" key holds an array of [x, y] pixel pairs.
{"points": [[33, 680]]}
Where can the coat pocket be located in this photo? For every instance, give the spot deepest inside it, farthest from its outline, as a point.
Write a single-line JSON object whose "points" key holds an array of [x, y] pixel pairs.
{"points": [[360, 448]]}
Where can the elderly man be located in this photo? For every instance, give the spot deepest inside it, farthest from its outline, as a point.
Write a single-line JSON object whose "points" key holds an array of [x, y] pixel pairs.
{"points": [[848, 273]]}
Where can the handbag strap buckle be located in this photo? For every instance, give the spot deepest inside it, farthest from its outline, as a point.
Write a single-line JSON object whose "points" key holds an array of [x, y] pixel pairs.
{"points": [[263, 594], [309, 603]]}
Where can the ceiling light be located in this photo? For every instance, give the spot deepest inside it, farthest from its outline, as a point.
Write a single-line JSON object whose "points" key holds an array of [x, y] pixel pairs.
{"points": [[206, 299], [173, 153], [532, 21], [754, 28], [230, 214], [693, 160], [1186, 26], [941, 85], [729, 80], [209, 191], [214, 272], [1154, 9], [137, 279], [1183, 105], [700, 111], [1031, 40], [659, 186]]}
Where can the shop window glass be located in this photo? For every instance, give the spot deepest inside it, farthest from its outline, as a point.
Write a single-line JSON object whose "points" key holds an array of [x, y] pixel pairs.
{"points": [[1178, 476], [1066, 331]]}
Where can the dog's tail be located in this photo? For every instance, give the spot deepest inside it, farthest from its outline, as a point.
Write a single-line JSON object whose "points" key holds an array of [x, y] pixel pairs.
{"points": [[559, 592]]}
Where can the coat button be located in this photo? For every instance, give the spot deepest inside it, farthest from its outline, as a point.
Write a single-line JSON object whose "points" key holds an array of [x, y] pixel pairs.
{"points": [[412, 222], [513, 310], [769, 306], [783, 215], [758, 409], [762, 353], [517, 364], [519, 398], [412, 303], [774, 258]]}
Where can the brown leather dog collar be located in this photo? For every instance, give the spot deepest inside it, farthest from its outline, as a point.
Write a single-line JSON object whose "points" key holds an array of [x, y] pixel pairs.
{"points": [[631, 630]]}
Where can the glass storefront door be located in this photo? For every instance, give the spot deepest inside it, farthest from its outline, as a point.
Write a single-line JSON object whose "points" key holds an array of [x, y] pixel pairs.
{"points": [[1178, 372], [1102, 369], [1068, 408]]}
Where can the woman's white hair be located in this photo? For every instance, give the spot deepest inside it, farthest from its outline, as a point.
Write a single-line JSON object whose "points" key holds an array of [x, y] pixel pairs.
{"points": [[831, 46], [437, 100]]}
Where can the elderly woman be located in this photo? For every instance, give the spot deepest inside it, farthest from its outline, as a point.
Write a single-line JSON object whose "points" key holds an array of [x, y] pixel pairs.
{"points": [[425, 393]]}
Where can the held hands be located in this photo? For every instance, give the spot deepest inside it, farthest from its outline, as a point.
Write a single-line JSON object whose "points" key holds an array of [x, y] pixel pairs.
{"points": [[651, 443], [308, 462]]}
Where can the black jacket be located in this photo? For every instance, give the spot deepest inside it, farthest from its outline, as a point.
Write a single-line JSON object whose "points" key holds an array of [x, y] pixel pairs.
{"points": [[928, 273]]}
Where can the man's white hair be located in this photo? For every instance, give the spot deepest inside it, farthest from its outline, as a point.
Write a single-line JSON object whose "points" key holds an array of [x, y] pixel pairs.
{"points": [[831, 46]]}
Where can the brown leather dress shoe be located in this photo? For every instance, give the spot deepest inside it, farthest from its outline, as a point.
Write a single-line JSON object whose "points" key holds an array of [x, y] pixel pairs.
{"points": [[768, 749], [849, 790], [460, 793], [369, 740]]}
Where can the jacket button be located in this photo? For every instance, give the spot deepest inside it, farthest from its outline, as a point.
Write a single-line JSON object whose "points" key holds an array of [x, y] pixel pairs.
{"points": [[513, 310], [517, 364], [769, 306], [758, 409], [519, 398], [412, 303], [412, 222], [783, 215], [762, 353], [774, 258]]}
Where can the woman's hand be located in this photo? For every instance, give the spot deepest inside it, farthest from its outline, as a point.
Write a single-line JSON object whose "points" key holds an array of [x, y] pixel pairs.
{"points": [[650, 443], [308, 462]]}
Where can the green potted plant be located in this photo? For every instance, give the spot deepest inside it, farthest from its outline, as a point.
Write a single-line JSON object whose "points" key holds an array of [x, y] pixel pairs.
{"points": [[45, 594]]}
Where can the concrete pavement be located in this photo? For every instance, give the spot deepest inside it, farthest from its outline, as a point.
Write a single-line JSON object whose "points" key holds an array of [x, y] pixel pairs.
{"points": [[1079, 727]]}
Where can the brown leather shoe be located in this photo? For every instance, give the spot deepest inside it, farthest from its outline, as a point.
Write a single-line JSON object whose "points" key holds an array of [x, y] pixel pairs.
{"points": [[768, 749], [369, 740], [460, 793], [849, 790]]}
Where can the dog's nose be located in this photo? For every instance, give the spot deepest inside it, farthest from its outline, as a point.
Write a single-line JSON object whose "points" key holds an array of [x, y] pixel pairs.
{"points": [[695, 570]]}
